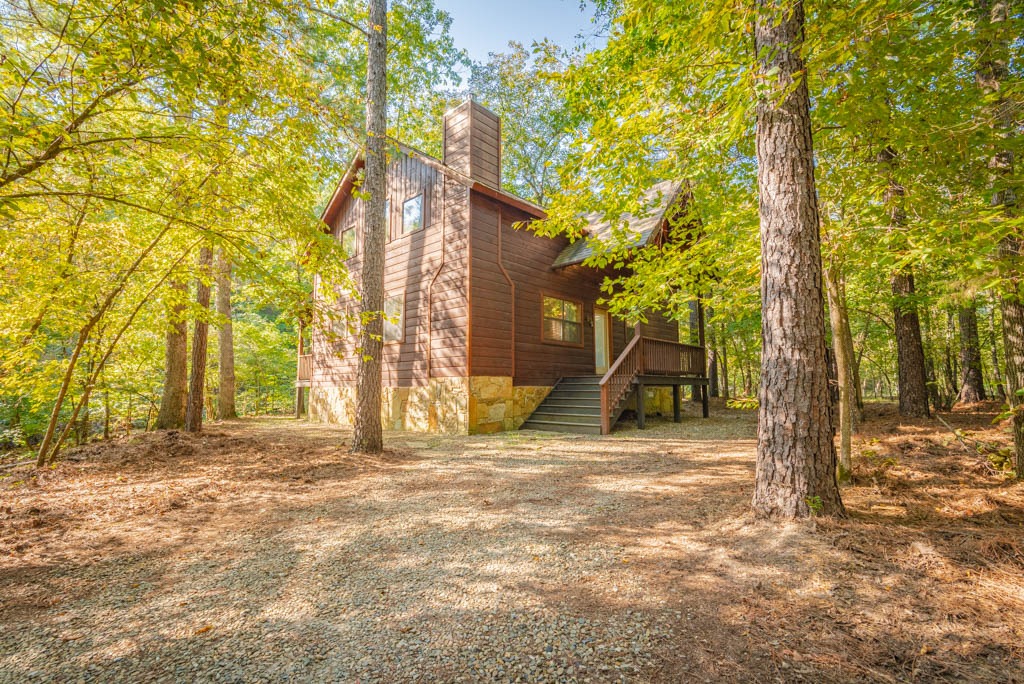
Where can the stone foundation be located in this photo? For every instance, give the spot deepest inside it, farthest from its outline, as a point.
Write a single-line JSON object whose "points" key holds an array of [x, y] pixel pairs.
{"points": [[659, 401], [440, 406], [446, 405], [495, 404]]}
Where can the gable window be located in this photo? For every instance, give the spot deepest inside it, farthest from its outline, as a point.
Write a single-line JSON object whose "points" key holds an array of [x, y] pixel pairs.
{"points": [[394, 318], [387, 219], [412, 214], [348, 241], [563, 321]]}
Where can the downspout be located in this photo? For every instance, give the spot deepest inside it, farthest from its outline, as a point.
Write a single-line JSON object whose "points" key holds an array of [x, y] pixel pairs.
{"points": [[440, 267], [512, 287]]}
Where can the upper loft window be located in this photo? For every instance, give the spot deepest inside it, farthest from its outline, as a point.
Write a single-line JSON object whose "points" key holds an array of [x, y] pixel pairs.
{"points": [[348, 241], [394, 318], [563, 321], [412, 214], [387, 219]]}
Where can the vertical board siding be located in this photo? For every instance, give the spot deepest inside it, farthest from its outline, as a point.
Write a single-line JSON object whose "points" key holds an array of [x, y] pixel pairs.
{"points": [[427, 266]]}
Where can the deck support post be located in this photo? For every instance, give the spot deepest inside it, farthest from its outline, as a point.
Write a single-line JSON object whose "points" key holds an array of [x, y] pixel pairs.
{"points": [[677, 409], [705, 408], [641, 412]]}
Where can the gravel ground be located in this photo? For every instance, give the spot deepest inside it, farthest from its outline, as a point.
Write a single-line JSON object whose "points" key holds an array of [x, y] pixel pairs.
{"points": [[265, 552]]}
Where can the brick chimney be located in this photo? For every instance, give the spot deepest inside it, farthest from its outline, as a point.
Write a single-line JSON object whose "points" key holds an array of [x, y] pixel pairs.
{"points": [[472, 142]]}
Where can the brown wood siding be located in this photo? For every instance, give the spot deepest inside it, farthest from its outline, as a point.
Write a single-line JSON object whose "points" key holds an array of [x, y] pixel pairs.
{"points": [[527, 259], [428, 266], [472, 143]]}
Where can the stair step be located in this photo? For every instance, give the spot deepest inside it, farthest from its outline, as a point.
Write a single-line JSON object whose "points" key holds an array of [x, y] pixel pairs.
{"points": [[574, 405], [554, 426], [596, 381], [573, 393], [558, 416]]}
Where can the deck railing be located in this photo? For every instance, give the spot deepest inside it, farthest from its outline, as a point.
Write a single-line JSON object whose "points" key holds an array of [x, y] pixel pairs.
{"points": [[305, 372], [646, 356]]}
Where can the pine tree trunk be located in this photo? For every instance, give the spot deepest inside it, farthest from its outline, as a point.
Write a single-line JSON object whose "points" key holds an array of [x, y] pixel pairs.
{"points": [[796, 455], [725, 369], [225, 342], [1013, 342], [712, 360], [175, 394], [972, 386], [200, 334], [910, 361], [368, 436], [992, 74], [694, 332], [842, 340], [913, 384], [993, 328]]}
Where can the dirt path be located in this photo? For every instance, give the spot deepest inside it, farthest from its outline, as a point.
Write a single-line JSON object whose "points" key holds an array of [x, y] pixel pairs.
{"points": [[263, 551]]}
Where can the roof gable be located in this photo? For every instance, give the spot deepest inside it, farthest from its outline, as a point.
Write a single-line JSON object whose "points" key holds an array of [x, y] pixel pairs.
{"points": [[347, 184], [660, 198]]}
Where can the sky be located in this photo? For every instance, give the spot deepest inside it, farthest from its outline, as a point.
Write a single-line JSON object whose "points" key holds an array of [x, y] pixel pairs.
{"points": [[483, 26]]}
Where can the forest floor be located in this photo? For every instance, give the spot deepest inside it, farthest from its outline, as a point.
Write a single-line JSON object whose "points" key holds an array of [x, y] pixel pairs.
{"points": [[264, 551]]}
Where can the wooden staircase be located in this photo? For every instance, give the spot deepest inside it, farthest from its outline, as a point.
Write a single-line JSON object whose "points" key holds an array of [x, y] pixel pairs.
{"points": [[591, 404], [574, 405]]}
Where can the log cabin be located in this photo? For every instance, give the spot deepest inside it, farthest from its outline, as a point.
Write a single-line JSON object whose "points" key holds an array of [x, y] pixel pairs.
{"points": [[490, 326]]}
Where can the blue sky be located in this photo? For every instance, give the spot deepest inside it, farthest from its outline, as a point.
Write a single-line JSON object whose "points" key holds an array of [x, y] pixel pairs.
{"points": [[483, 26]]}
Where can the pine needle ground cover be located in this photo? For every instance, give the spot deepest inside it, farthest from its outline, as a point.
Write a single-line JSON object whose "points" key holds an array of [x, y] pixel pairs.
{"points": [[263, 550]]}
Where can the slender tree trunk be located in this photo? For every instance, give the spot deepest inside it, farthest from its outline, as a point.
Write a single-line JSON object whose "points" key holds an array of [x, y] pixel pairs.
{"points": [[200, 334], [842, 340], [713, 354], [725, 369], [994, 343], [796, 454], [368, 436], [175, 394], [694, 331], [51, 427], [913, 384], [972, 386], [225, 341], [106, 411], [300, 403]]}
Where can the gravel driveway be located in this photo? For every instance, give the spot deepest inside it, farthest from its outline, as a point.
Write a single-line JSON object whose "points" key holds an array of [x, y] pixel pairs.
{"points": [[265, 552]]}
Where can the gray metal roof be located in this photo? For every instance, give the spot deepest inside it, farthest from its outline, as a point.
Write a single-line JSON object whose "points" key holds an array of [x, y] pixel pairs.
{"points": [[659, 199]]}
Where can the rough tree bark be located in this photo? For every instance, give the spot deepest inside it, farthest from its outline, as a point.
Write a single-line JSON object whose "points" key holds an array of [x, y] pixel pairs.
{"points": [[992, 73], [694, 329], [713, 356], [972, 385], [200, 334], [842, 340], [367, 435], [725, 369], [910, 360], [225, 342], [796, 454], [172, 401], [913, 382]]}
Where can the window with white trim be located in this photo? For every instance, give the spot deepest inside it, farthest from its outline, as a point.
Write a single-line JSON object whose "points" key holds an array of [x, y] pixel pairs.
{"points": [[394, 318], [563, 321], [412, 214]]}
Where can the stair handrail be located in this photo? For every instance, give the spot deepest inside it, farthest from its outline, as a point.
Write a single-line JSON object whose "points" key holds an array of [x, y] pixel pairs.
{"points": [[618, 380]]}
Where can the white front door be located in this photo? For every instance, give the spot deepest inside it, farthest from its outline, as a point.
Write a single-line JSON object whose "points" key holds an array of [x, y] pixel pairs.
{"points": [[602, 342]]}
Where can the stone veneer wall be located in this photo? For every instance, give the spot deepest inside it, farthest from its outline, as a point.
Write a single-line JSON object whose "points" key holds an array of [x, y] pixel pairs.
{"points": [[495, 404], [441, 406], [659, 401], [446, 405]]}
